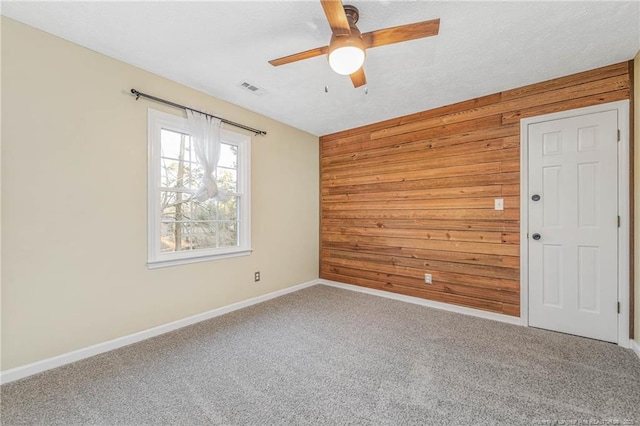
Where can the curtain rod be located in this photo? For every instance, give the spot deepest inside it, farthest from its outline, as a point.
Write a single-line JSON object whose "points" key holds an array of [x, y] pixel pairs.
{"points": [[137, 94]]}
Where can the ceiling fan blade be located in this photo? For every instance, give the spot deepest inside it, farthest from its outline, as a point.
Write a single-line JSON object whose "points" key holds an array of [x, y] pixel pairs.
{"points": [[358, 78], [300, 56], [401, 33], [334, 11]]}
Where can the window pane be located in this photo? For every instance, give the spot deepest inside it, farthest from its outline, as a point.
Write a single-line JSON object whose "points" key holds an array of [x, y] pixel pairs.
{"points": [[228, 210], [175, 145], [228, 156], [196, 176], [174, 236], [175, 205], [179, 174], [228, 179], [178, 166], [204, 235], [168, 171], [167, 237], [203, 210], [167, 205], [228, 234], [191, 176]]}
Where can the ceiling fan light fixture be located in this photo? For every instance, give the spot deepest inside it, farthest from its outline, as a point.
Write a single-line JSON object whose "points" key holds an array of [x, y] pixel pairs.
{"points": [[346, 54], [347, 50], [346, 60]]}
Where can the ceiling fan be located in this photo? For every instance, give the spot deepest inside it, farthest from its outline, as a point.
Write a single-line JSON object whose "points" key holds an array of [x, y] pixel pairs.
{"points": [[346, 50]]}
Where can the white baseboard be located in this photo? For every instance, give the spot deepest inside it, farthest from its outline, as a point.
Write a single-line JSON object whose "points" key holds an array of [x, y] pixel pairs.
{"points": [[425, 302], [60, 360], [635, 346]]}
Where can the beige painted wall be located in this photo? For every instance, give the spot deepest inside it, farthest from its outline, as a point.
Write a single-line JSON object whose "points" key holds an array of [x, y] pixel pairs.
{"points": [[636, 160], [74, 203]]}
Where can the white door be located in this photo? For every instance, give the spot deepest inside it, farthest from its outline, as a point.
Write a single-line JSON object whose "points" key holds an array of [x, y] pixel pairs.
{"points": [[573, 225]]}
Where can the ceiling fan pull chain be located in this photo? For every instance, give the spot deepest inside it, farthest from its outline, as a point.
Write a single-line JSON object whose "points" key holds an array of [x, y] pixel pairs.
{"points": [[366, 90], [326, 89]]}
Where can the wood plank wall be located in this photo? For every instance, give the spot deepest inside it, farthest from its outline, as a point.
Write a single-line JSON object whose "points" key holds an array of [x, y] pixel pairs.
{"points": [[415, 194]]}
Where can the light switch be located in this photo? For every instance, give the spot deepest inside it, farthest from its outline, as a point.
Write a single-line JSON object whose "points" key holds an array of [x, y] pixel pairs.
{"points": [[499, 204]]}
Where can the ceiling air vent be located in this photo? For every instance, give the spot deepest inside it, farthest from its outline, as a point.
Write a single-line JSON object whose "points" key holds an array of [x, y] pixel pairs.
{"points": [[252, 88]]}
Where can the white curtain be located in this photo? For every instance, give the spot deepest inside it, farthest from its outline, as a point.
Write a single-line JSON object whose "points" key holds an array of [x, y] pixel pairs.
{"points": [[205, 135]]}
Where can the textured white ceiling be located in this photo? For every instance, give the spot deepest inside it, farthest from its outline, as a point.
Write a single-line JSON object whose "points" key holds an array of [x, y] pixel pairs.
{"points": [[482, 48]]}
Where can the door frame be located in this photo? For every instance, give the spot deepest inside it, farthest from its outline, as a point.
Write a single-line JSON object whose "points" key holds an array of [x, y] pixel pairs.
{"points": [[624, 177]]}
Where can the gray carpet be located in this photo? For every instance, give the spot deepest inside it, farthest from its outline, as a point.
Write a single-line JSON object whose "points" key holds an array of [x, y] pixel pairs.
{"points": [[330, 356]]}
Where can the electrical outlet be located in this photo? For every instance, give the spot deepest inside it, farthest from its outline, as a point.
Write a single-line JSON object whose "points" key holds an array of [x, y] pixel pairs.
{"points": [[256, 276], [498, 204], [427, 279]]}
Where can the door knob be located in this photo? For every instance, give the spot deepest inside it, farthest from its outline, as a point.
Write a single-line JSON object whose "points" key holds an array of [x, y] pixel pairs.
{"points": [[535, 197], [536, 236]]}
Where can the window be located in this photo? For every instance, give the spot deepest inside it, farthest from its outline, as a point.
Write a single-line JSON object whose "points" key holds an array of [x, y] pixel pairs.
{"points": [[183, 229]]}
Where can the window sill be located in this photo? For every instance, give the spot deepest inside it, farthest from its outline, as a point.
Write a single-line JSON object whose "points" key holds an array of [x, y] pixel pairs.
{"points": [[175, 262]]}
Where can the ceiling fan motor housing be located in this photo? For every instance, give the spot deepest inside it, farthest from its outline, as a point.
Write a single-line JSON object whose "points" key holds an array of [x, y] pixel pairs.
{"points": [[352, 14]]}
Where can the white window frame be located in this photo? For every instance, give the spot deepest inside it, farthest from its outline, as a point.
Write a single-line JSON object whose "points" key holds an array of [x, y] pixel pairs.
{"points": [[156, 121]]}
